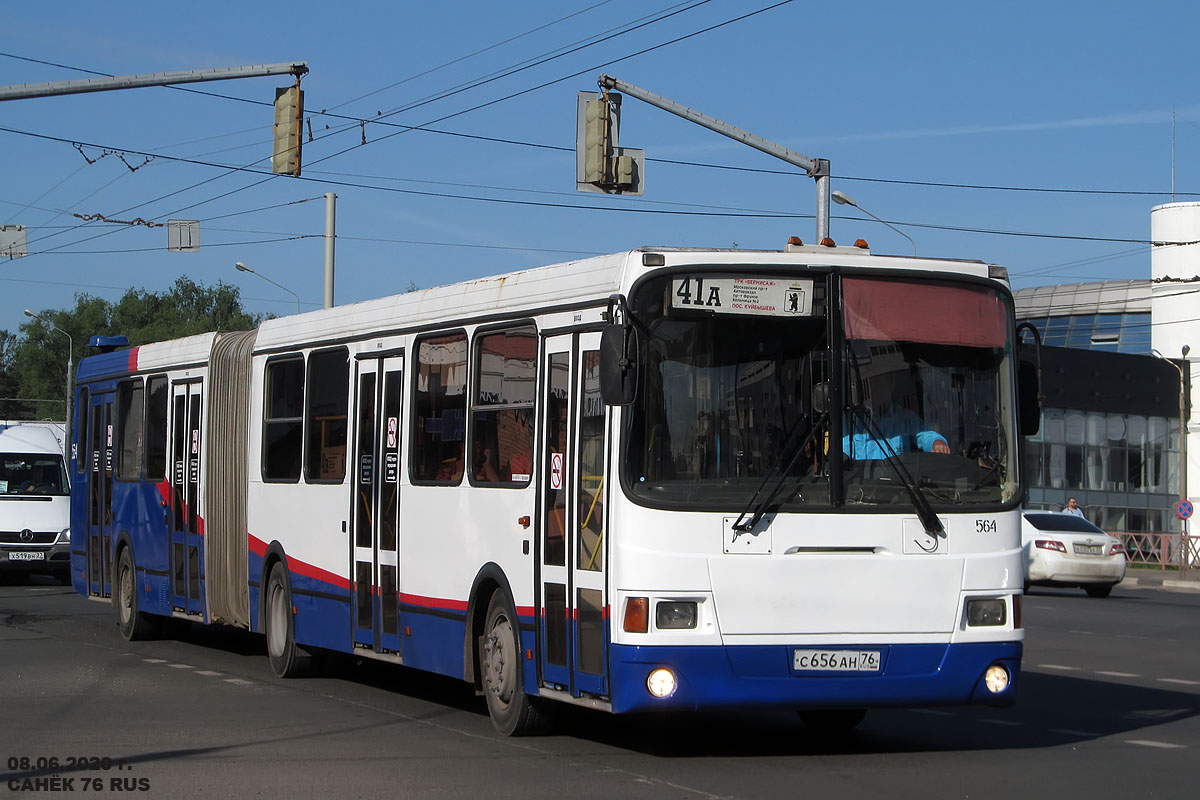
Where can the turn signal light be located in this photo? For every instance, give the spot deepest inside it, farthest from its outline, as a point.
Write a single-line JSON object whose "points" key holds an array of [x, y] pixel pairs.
{"points": [[1116, 548], [637, 615], [1050, 544], [1016, 601]]}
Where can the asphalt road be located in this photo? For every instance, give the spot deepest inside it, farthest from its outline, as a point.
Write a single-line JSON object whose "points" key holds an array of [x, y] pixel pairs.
{"points": [[1109, 707]]}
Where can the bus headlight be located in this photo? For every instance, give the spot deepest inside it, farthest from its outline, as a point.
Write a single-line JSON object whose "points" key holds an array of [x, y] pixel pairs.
{"points": [[671, 615], [661, 682], [64, 536], [986, 612], [996, 679]]}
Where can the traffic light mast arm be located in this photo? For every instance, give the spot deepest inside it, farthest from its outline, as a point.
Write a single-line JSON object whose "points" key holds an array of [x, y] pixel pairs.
{"points": [[816, 168], [22, 91]]}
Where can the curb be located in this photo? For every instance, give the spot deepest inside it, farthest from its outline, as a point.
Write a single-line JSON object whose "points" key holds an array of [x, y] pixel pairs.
{"points": [[1154, 582]]}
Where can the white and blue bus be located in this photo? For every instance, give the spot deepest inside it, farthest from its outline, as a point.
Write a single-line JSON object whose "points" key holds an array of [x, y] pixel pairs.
{"points": [[660, 480]]}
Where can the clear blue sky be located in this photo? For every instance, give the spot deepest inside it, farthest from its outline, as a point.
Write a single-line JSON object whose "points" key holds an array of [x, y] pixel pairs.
{"points": [[1019, 94]]}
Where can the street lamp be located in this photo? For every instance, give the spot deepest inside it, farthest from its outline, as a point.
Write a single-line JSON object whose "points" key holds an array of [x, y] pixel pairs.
{"points": [[842, 199], [243, 268], [70, 376], [1183, 433]]}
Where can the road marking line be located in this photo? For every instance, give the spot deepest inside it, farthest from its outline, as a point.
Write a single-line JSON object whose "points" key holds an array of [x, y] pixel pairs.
{"points": [[1117, 674], [155, 660], [1152, 743], [238, 681], [208, 673], [1073, 732], [1010, 723], [181, 666], [1059, 666], [1085, 633], [1183, 681]]}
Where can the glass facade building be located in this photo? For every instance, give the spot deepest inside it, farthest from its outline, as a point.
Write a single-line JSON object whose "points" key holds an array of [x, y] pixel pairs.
{"points": [[1110, 433]]}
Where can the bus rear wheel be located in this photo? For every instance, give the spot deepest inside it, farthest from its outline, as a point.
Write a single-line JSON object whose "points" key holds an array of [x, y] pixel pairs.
{"points": [[288, 659], [132, 623], [511, 710]]}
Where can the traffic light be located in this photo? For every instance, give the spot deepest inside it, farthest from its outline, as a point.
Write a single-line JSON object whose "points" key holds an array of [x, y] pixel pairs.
{"points": [[626, 172], [289, 113], [597, 141]]}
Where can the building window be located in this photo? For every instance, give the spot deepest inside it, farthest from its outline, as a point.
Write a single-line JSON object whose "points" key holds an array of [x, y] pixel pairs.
{"points": [[325, 415], [502, 414], [283, 419], [439, 409]]}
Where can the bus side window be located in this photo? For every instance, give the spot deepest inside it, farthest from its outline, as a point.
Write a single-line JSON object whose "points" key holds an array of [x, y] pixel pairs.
{"points": [[80, 439], [283, 421], [156, 428], [502, 407], [439, 409], [328, 403], [130, 411]]}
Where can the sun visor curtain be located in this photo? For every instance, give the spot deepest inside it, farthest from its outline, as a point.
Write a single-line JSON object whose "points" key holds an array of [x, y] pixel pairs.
{"points": [[930, 313]]}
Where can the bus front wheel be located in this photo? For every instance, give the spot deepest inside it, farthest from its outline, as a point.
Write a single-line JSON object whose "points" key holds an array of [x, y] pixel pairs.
{"points": [[511, 710], [133, 624]]}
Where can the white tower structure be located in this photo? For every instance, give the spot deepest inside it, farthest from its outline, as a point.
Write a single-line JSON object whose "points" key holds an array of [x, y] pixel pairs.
{"points": [[1175, 308]]}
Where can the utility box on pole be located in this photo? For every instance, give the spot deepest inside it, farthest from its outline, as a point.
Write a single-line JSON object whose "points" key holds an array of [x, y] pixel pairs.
{"points": [[289, 116]]}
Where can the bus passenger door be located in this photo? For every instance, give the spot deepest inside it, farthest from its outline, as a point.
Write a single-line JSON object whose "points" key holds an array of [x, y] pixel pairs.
{"points": [[573, 611], [376, 486], [187, 528], [100, 484]]}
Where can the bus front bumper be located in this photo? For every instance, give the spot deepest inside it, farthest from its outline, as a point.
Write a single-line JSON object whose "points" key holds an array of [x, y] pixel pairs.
{"points": [[776, 677]]}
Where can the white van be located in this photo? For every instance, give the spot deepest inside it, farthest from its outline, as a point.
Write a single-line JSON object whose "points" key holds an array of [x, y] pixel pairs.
{"points": [[35, 500]]}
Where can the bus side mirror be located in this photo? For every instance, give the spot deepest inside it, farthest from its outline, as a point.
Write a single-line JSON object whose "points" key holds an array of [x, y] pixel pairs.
{"points": [[618, 365], [1029, 391]]}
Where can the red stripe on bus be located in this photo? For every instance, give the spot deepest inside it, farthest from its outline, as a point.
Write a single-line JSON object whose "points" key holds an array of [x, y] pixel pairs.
{"points": [[316, 573], [133, 358], [433, 602], [259, 548]]}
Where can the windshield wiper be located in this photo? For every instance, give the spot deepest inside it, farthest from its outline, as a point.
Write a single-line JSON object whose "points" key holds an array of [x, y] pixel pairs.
{"points": [[761, 508], [933, 525]]}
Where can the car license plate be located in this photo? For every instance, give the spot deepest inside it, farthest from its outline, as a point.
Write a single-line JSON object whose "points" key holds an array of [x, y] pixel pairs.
{"points": [[27, 555], [836, 660], [1089, 549]]}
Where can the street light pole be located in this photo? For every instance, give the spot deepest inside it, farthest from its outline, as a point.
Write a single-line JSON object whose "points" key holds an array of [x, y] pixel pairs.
{"points": [[243, 268], [842, 199], [70, 419]]}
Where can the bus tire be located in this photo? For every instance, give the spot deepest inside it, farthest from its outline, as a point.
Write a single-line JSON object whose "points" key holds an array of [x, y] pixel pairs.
{"points": [[512, 711], [132, 623], [288, 659]]}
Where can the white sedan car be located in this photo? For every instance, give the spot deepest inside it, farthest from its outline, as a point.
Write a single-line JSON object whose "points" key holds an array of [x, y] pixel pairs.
{"points": [[1065, 550]]}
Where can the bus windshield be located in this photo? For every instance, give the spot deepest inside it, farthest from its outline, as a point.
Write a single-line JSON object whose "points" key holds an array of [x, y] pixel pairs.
{"points": [[732, 398]]}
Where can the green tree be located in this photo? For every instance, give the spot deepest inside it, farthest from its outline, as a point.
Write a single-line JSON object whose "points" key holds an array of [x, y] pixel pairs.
{"points": [[38, 363], [9, 385]]}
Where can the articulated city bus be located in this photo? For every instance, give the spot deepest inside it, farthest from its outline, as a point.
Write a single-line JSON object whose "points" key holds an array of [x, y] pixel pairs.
{"points": [[660, 480]]}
